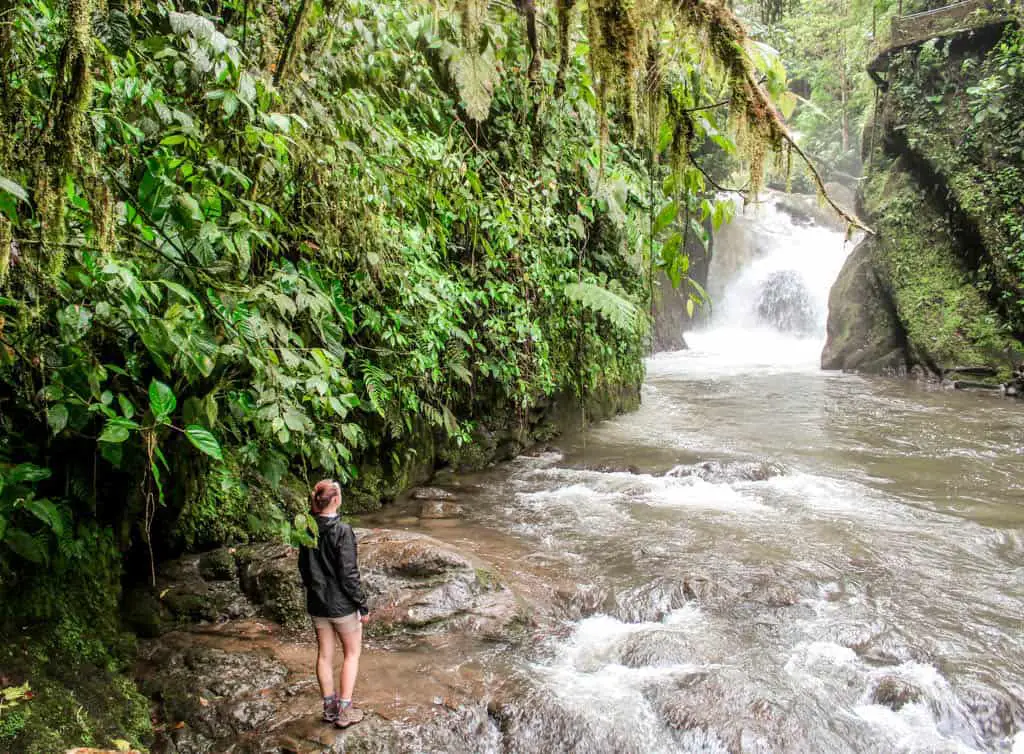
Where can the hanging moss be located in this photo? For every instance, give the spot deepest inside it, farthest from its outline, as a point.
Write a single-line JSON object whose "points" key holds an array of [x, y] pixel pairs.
{"points": [[564, 12], [49, 200], [6, 239], [72, 90]]}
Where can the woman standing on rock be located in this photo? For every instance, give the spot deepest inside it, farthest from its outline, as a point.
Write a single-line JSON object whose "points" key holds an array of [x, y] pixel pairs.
{"points": [[335, 601]]}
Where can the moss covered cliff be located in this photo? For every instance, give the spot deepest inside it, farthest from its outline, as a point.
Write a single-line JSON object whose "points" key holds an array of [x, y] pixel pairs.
{"points": [[941, 284]]}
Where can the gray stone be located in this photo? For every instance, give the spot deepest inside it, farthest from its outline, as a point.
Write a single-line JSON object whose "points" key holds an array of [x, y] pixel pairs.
{"points": [[414, 582], [269, 576], [894, 692], [440, 509], [216, 694], [431, 493], [864, 332]]}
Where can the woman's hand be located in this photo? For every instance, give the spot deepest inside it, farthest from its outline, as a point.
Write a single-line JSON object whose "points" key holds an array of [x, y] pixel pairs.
{"points": [[364, 618]]}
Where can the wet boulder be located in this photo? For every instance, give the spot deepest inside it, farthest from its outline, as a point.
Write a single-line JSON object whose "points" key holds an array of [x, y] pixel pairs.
{"points": [[894, 692], [864, 331], [431, 493], [269, 577], [731, 471], [440, 509], [416, 582]]}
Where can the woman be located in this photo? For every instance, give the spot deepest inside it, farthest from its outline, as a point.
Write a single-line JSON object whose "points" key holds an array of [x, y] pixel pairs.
{"points": [[335, 602]]}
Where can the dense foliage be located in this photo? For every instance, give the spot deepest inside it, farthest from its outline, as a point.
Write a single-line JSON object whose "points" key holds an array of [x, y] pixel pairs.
{"points": [[826, 45], [244, 243], [964, 116]]}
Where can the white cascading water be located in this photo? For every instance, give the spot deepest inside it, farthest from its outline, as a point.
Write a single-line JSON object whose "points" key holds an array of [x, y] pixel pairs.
{"points": [[770, 281]]}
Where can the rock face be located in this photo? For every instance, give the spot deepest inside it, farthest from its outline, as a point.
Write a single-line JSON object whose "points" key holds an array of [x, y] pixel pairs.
{"points": [[940, 284], [671, 318], [864, 333]]}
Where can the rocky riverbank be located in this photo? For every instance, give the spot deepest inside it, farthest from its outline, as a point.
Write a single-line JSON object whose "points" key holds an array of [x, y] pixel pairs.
{"points": [[229, 659]]}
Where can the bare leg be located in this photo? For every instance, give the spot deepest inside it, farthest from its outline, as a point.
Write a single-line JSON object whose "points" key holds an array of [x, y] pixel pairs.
{"points": [[351, 643], [325, 660]]}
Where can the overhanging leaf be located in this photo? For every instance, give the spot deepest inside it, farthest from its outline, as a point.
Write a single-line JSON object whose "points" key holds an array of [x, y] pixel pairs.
{"points": [[117, 430], [665, 216], [25, 545], [12, 188], [57, 418], [48, 513], [161, 400], [476, 77], [618, 310], [204, 441]]}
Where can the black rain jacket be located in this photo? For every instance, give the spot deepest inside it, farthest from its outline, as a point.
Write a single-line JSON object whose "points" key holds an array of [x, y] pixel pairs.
{"points": [[330, 571]]}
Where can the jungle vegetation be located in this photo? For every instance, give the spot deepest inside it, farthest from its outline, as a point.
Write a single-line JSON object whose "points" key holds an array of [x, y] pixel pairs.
{"points": [[244, 242]]}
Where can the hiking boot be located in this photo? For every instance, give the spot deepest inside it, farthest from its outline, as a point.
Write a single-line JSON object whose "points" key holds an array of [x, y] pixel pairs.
{"points": [[331, 710], [349, 715]]}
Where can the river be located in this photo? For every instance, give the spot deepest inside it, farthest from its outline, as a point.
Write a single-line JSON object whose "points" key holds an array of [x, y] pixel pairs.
{"points": [[769, 557]]}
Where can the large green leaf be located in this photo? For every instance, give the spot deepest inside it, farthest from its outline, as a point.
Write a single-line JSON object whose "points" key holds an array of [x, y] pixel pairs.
{"points": [[47, 512], [204, 440], [25, 545], [57, 418], [27, 472], [118, 429], [12, 188], [115, 431], [665, 216], [161, 401]]}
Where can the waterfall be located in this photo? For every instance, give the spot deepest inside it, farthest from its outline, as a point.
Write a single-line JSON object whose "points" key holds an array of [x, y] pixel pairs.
{"points": [[769, 283]]}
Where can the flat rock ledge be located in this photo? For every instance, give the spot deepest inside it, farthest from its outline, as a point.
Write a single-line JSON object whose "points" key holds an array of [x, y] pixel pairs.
{"points": [[229, 671]]}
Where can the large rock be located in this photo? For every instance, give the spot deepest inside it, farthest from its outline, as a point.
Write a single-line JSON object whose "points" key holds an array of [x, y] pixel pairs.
{"points": [[269, 575], [208, 697], [864, 333], [191, 589], [416, 582], [943, 196], [221, 585]]}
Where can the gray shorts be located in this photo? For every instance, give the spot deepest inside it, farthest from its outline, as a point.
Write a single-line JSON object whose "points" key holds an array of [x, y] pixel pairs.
{"points": [[346, 624]]}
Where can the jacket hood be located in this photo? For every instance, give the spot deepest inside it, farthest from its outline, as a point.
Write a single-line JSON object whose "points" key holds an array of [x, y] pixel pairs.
{"points": [[324, 523]]}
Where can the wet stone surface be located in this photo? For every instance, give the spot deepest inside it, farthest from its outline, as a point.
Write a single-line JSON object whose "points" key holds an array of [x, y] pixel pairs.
{"points": [[222, 680]]}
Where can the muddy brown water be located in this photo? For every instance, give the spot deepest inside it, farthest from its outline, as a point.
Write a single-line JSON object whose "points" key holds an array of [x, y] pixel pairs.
{"points": [[764, 559]]}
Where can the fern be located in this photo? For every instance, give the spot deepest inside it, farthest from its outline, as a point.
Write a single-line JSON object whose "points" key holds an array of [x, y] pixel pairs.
{"points": [[617, 309], [376, 381]]}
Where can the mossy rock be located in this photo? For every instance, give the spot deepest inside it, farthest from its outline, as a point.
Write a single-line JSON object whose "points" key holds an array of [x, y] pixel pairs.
{"points": [[864, 333], [73, 703], [145, 614], [269, 576], [218, 565]]}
